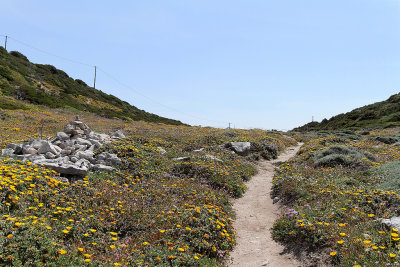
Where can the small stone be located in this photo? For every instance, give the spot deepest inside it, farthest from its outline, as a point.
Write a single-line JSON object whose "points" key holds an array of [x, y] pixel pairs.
{"points": [[47, 147], [213, 158], [88, 155], [68, 129], [66, 152], [101, 167], [50, 155], [27, 149], [109, 158], [181, 159], [96, 143], [162, 150], [62, 136], [118, 134], [82, 141], [77, 132]]}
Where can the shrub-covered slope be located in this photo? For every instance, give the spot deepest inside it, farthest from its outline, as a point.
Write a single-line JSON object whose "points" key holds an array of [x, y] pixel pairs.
{"points": [[46, 85], [153, 211], [380, 114], [334, 195]]}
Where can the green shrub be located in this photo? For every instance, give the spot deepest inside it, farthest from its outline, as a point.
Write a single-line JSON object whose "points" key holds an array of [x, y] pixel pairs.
{"points": [[7, 103], [341, 155], [287, 230], [6, 73], [386, 139], [74, 110], [264, 150], [365, 132], [388, 175], [19, 55]]}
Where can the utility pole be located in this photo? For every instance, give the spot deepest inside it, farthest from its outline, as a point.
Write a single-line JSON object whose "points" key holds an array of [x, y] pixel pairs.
{"points": [[95, 71], [5, 43], [229, 125]]}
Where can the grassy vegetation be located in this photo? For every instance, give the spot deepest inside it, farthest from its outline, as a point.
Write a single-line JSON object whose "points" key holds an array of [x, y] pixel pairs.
{"points": [[336, 192], [45, 85], [384, 114], [153, 211]]}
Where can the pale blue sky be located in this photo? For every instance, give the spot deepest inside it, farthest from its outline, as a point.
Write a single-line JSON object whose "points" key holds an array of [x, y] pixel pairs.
{"points": [[265, 64]]}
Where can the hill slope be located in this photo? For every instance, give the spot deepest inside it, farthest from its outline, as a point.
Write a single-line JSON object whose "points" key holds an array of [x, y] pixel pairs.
{"points": [[380, 114], [46, 85]]}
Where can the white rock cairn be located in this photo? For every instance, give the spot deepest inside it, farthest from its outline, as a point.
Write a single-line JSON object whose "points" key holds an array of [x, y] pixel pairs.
{"points": [[71, 152]]}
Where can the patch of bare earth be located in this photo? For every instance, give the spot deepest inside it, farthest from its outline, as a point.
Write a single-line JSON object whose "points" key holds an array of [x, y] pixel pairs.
{"points": [[255, 215]]}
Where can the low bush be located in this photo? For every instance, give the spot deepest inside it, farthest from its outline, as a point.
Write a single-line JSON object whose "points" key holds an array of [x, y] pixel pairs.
{"points": [[386, 139], [388, 175], [341, 155]]}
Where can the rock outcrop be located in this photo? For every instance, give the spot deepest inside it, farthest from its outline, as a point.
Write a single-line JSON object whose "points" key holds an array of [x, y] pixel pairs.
{"points": [[71, 152]]}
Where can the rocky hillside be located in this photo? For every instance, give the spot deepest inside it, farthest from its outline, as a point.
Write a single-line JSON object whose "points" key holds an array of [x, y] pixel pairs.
{"points": [[380, 114], [23, 83]]}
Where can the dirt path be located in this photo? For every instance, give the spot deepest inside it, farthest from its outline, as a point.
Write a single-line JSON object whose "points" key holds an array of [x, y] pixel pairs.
{"points": [[255, 216]]}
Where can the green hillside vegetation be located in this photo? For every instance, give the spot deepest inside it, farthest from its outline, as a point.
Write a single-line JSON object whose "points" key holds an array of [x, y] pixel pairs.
{"points": [[383, 114], [23, 83]]}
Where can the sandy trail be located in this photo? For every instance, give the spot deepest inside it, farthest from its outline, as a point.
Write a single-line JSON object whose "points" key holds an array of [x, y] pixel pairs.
{"points": [[255, 215]]}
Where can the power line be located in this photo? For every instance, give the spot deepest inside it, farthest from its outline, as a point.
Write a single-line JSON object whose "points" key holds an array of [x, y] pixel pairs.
{"points": [[51, 54], [110, 76], [152, 100]]}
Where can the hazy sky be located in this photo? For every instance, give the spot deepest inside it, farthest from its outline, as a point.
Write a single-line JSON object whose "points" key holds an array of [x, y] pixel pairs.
{"points": [[265, 64]]}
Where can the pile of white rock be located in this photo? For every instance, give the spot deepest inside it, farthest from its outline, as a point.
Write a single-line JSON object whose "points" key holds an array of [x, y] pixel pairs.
{"points": [[71, 152]]}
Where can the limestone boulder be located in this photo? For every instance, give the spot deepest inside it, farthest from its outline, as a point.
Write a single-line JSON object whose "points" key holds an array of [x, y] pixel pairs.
{"points": [[108, 158], [117, 134], [96, 143], [47, 147], [62, 136], [28, 149], [68, 129], [70, 169], [103, 168], [240, 148], [88, 155], [50, 155]]}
